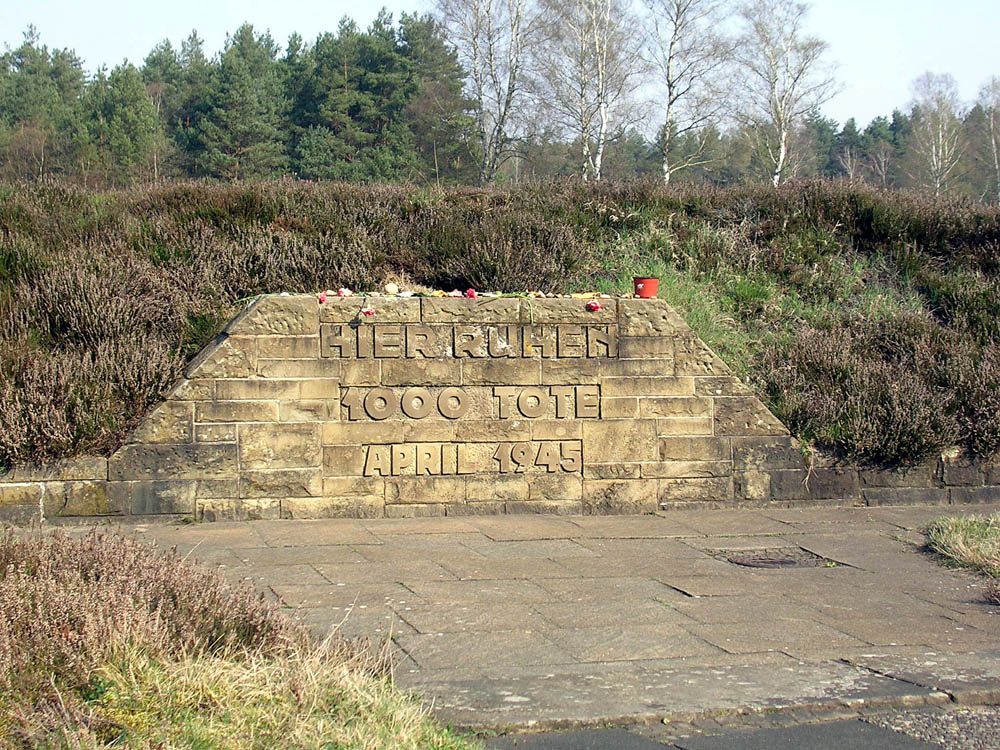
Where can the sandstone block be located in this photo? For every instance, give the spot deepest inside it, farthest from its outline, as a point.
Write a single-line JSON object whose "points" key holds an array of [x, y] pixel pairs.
{"points": [[645, 317], [570, 371], [343, 460], [556, 429], [288, 347], [80, 467], [647, 386], [695, 449], [424, 490], [496, 489], [613, 440], [281, 483], [570, 311], [285, 446], [548, 507], [620, 407], [258, 509], [963, 495], [474, 509], [361, 372], [226, 357], [921, 475], [874, 496], [611, 471], [630, 496], [349, 486], [355, 506], [192, 461], [830, 482], [84, 498], [457, 310], [692, 357], [668, 426], [319, 389], [756, 453], [752, 486], [714, 489], [360, 433], [20, 494], [19, 515], [506, 430], [744, 415], [170, 422], [308, 411], [276, 315], [789, 484], [414, 511], [500, 372], [659, 348], [555, 487], [154, 498], [257, 390], [300, 368], [960, 471], [387, 309], [236, 411], [687, 469], [428, 431], [675, 406], [192, 390], [725, 385], [992, 474], [626, 368], [421, 372], [223, 432]]}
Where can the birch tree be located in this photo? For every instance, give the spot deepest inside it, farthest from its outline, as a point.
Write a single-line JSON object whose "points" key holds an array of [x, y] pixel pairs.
{"points": [[937, 144], [989, 100], [784, 76], [586, 71], [690, 55], [490, 37]]}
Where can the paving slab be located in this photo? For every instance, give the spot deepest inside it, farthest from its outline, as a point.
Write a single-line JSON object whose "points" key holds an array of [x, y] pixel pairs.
{"points": [[566, 621], [831, 735], [594, 739]]}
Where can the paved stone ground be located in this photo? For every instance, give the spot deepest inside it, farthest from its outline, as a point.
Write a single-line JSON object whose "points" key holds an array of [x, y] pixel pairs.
{"points": [[537, 621]]}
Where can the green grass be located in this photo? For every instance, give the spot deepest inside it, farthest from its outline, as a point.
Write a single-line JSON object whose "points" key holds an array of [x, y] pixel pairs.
{"points": [[971, 542]]}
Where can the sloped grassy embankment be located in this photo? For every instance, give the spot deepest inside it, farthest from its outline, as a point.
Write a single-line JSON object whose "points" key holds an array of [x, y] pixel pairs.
{"points": [[105, 642], [869, 321]]}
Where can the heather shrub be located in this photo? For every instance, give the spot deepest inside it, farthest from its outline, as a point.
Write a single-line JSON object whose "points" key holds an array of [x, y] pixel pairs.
{"points": [[106, 642], [105, 296]]}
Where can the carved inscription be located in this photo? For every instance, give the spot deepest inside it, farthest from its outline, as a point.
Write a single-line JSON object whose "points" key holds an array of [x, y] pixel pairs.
{"points": [[508, 402], [416, 403], [413, 341], [441, 459], [566, 456]]}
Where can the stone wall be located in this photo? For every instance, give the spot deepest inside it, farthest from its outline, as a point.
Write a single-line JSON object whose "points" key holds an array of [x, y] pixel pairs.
{"points": [[444, 406]]}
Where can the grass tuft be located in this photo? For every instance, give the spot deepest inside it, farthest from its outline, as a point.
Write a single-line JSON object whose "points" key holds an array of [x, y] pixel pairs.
{"points": [[971, 542], [106, 642]]}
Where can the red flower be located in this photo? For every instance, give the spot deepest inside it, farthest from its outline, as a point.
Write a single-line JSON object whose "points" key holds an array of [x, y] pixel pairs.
{"points": [[470, 293], [322, 297], [594, 305], [367, 310]]}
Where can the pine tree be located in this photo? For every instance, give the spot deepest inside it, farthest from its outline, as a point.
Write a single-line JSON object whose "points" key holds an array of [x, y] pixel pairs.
{"points": [[240, 134]]}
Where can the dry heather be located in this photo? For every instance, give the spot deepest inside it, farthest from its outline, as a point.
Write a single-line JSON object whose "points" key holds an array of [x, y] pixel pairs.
{"points": [[868, 320], [105, 642]]}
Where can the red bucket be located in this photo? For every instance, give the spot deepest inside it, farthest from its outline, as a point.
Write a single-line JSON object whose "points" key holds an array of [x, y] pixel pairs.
{"points": [[645, 287]]}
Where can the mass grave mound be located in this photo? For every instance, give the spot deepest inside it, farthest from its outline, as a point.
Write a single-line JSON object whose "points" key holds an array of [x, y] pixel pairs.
{"points": [[440, 406]]}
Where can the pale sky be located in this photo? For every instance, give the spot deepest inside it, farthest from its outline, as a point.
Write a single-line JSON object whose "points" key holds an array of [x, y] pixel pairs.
{"points": [[879, 47]]}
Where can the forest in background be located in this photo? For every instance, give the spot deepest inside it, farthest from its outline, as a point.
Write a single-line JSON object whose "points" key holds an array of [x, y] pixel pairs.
{"points": [[491, 92]]}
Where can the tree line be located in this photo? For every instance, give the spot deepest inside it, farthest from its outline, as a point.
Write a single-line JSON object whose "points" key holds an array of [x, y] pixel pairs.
{"points": [[483, 91]]}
